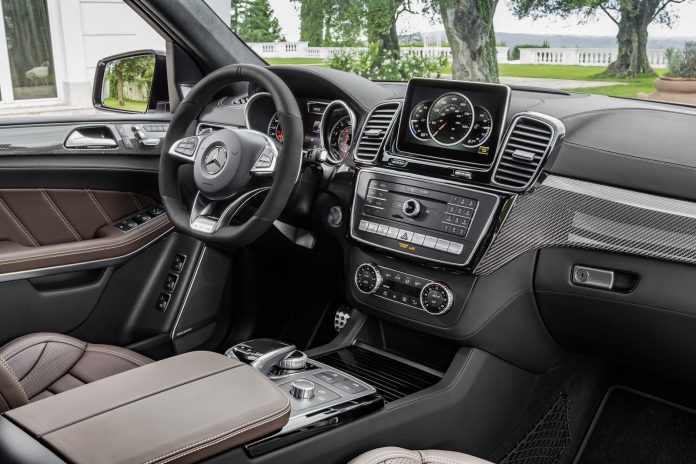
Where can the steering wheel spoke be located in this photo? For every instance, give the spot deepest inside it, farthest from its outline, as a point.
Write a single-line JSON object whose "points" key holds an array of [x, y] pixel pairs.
{"points": [[207, 216]]}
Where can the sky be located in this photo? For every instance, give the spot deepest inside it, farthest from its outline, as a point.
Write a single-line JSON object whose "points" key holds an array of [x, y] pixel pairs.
{"points": [[505, 21]]}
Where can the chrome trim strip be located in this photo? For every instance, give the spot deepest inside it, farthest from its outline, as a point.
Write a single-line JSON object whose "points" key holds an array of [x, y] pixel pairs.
{"points": [[622, 196], [558, 132], [325, 120], [436, 181], [86, 266]]}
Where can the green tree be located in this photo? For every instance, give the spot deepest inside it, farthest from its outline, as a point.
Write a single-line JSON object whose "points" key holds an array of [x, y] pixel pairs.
{"points": [[471, 36], [137, 70], [254, 21], [631, 16]]}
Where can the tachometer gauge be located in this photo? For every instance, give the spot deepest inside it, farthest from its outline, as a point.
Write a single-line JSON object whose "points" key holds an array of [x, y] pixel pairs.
{"points": [[274, 129], [450, 119], [340, 139], [418, 122], [483, 126]]}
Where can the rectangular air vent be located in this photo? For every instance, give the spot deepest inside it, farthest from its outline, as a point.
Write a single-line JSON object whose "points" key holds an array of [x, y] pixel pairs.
{"points": [[375, 130], [529, 141]]}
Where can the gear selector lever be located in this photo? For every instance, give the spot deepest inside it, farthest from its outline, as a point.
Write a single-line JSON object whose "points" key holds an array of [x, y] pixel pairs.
{"points": [[261, 353]]}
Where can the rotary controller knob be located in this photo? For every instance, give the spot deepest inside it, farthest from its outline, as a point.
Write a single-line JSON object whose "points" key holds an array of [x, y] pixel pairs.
{"points": [[436, 298], [295, 361], [302, 389], [411, 208], [368, 279]]}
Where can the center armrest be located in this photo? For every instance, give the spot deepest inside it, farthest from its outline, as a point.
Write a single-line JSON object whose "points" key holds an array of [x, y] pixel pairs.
{"points": [[181, 409]]}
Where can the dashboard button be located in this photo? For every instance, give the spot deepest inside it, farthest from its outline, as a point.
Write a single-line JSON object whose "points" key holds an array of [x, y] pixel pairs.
{"points": [[382, 229], [429, 241], [393, 232], [442, 245], [418, 239], [405, 235], [363, 224], [372, 227], [455, 248]]}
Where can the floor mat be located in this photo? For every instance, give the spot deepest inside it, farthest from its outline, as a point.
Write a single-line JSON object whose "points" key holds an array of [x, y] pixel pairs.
{"points": [[547, 441], [634, 428]]}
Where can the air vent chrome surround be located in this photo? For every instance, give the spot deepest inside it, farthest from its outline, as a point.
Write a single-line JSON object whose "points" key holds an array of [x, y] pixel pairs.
{"points": [[526, 147], [377, 127]]}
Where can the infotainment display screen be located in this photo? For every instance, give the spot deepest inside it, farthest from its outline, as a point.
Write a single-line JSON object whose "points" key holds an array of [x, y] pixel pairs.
{"points": [[456, 121]]}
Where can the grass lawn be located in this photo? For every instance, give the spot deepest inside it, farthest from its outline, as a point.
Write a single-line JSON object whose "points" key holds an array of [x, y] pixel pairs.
{"points": [[629, 88], [129, 105], [318, 61]]}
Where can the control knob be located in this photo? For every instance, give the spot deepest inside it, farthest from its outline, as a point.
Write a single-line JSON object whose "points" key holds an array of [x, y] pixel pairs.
{"points": [[411, 208], [295, 361], [436, 298], [302, 389], [368, 279]]}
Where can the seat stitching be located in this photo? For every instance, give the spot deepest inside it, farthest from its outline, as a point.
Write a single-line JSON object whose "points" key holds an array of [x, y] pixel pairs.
{"points": [[14, 377], [124, 243], [38, 358], [18, 223], [136, 201], [60, 215], [116, 354], [222, 436], [99, 206], [32, 342], [390, 454]]}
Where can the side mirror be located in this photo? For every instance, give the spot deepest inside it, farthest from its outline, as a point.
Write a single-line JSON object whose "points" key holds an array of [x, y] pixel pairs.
{"points": [[133, 82]]}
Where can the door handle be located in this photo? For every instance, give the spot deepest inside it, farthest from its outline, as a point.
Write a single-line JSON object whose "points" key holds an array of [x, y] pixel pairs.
{"points": [[92, 138]]}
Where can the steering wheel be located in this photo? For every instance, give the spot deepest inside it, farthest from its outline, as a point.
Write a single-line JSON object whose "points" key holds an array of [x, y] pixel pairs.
{"points": [[231, 166]]}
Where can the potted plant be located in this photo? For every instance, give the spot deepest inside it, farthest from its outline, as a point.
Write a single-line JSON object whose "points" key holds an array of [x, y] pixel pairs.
{"points": [[679, 83]]}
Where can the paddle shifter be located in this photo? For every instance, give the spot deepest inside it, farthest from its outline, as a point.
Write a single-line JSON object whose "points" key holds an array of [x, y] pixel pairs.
{"points": [[265, 353]]}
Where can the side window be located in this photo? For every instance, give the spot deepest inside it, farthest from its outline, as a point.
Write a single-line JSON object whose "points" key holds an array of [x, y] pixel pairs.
{"points": [[49, 50]]}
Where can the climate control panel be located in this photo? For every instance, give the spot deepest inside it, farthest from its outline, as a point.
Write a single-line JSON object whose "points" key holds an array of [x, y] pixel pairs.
{"points": [[407, 289]]}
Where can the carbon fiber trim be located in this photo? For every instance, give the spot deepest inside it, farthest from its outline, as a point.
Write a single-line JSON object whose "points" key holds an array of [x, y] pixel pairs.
{"points": [[46, 139], [565, 212]]}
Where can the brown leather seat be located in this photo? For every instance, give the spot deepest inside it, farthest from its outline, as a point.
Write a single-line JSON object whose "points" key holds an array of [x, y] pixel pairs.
{"points": [[40, 365], [394, 455]]}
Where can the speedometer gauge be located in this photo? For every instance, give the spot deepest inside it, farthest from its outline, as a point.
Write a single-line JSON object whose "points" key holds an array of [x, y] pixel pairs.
{"points": [[483, 126], [340, 139], [450, 119], [274, 129], [418, 122]]}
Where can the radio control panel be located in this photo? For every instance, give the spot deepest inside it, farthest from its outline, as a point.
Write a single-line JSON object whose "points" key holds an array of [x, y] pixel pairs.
{"points": [[413, 215]]}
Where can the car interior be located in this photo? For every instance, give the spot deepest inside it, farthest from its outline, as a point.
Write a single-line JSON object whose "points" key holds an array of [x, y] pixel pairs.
{"points": [[293, 264]]}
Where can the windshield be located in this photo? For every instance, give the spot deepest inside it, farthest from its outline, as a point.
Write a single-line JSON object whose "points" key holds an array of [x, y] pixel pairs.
{"points": [[622, 48]]}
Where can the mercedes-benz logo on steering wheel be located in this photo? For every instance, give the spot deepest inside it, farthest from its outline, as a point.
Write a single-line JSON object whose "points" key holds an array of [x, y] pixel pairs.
{"points": [[215, 160]]}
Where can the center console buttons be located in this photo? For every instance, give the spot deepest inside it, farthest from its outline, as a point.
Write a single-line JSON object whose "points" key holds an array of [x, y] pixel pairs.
{"points": [[411, 208]]}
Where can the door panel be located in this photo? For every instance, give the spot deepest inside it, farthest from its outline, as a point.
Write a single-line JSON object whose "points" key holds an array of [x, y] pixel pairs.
{"points": [[66, 265]]}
